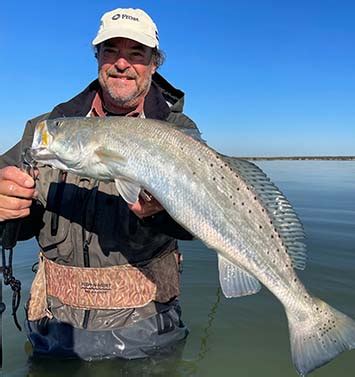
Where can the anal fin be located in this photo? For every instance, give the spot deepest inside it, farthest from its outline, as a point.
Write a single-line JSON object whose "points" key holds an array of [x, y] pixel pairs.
{"points": [[235, 282]]}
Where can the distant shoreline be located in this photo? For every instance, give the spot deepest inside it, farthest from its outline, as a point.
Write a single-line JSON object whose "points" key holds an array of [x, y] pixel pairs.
{"points": [[296, 158]]}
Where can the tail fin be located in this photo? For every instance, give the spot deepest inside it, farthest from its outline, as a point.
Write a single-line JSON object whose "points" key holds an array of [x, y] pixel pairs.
{"points": [[320, 337]]}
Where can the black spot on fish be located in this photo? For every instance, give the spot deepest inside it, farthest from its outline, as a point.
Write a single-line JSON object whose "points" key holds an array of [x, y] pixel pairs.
{"points": [[211, 164]]}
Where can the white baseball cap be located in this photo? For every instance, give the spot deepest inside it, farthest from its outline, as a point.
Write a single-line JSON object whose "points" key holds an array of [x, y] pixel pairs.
{"points": [[128, 23]]}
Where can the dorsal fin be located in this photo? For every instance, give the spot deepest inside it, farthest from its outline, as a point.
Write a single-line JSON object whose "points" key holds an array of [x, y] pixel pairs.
{"points": [[187, 129], [278, 207]]}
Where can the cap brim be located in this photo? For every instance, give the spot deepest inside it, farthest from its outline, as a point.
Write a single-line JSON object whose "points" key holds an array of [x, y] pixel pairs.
{"points": [[123, 33]]}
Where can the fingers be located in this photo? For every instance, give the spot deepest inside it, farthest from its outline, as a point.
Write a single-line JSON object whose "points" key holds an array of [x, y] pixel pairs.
{"points": [[16, 175], [6, 214], [13, 190], [16, 193], [146, 206]]}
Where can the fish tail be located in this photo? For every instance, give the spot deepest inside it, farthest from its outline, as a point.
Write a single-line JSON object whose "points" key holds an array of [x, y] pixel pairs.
{"points": [[320, 336]]}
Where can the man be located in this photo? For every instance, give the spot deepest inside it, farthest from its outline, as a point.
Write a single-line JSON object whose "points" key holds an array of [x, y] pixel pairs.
{"points": [[87, 232]]}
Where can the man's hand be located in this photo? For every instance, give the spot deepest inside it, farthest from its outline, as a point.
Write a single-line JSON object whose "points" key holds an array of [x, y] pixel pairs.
{"points": [[16, 193], [145, 206]]}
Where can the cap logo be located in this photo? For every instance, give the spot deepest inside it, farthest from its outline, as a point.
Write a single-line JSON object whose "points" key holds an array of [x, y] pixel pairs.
{"points": [[117, 16], [127, 23]]}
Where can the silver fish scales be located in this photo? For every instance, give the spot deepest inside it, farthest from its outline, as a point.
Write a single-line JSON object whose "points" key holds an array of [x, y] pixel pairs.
{"points": [[228, 203]]}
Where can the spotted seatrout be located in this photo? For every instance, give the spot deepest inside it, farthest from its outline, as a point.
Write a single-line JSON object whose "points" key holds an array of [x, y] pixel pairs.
{"points": [[227, 203]]}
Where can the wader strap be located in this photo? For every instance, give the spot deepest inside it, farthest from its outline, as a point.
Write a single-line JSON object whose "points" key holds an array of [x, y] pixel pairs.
{"points": [[117, 287]]}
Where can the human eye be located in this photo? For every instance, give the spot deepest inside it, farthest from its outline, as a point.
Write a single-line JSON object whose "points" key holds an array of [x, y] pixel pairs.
{"points": [[137, 53], [108, 50], [138, 56]]}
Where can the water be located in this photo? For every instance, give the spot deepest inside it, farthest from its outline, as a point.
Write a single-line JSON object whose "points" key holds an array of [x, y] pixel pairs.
{"points": [[246, 337]]}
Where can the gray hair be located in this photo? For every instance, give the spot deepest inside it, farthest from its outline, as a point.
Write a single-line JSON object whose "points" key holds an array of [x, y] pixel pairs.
{"points": [[158, 56]]}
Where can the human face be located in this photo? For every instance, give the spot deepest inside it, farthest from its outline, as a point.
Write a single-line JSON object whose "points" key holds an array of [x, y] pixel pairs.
{"points": [[125, 73]]}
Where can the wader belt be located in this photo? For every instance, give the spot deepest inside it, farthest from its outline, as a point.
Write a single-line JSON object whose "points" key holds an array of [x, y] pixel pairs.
{"points": [[117, 287]]}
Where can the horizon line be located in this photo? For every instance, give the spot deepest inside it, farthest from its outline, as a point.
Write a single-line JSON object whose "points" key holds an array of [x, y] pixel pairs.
{"points": [[326, 158]]}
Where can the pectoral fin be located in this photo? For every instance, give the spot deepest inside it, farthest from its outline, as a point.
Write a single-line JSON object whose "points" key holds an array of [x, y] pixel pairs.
{"points": [[109, 155], [128, 189], [234, 281]]}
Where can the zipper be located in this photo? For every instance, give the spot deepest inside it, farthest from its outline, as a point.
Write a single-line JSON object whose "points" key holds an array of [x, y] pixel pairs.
{"points": [[87, 236], [86, 264], [86, 254]]}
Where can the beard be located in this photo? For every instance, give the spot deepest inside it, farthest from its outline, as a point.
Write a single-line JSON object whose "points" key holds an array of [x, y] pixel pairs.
{"points": [[116, 97]]}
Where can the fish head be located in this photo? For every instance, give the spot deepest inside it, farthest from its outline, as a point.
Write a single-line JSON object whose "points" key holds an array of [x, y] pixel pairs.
{"points": [[76, 145], [57, 145]]}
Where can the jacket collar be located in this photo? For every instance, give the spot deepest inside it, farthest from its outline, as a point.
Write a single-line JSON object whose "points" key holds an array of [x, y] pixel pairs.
{"points": [[161, 99]]}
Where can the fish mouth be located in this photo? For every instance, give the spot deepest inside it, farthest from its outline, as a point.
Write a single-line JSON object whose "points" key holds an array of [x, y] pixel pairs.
{"points": [[39, 153], [42, 140], [42, 137]]}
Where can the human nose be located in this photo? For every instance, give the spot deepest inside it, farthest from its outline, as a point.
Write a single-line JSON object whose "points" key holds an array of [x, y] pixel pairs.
{"points": [[122, 63]]}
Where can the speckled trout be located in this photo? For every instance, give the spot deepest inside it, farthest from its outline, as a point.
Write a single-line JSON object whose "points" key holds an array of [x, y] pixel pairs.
{"points": [[229, 204]]}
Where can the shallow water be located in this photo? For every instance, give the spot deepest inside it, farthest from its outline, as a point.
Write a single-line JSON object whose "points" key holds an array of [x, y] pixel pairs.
{"points": [[246, 337]]}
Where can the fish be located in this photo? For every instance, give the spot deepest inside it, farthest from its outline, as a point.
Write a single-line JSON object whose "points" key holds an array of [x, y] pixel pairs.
{"points": [[227, 203]]}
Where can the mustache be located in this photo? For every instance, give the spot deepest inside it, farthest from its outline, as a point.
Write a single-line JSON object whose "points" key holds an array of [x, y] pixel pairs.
{"points": [[112, 72]]}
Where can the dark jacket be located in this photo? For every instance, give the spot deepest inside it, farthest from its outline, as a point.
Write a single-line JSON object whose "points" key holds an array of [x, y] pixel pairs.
{"points": [[80, 222]]}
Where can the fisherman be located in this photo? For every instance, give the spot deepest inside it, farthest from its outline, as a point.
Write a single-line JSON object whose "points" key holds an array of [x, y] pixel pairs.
{"points": [[92, 244]]}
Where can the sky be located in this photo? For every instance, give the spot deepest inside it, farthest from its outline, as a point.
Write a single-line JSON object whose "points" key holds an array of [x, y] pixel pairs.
{"points": [[261, 78]]}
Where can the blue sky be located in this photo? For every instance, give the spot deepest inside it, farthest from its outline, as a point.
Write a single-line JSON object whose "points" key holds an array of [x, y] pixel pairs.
{"points": [[260, 77]]}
